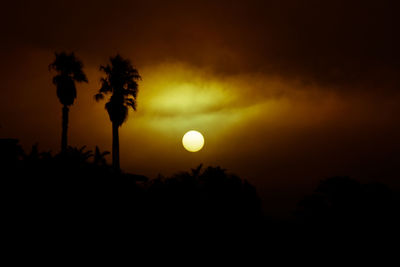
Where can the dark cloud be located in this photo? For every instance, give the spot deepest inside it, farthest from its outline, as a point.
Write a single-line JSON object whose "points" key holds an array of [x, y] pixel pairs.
{"points": [[337, 42]]}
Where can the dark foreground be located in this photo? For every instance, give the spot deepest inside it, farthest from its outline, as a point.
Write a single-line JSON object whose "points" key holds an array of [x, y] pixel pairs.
{"points": [[69, 199]]}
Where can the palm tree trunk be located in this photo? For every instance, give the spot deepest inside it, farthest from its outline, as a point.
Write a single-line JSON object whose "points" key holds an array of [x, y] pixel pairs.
{"points": [[64, 136], [115, 147]]}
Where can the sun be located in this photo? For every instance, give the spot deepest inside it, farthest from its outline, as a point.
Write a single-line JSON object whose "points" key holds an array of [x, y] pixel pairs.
{"points": [[193, 141]]}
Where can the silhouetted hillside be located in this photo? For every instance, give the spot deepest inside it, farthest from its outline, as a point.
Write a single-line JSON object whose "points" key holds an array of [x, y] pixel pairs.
{"points": [[77, 193], [341, 205], [73, 192]]}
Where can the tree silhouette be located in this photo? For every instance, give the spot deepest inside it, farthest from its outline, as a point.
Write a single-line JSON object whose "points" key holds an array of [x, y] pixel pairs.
{"points": [[79, 154], [345, 203], [69, 70], [121, 81]]}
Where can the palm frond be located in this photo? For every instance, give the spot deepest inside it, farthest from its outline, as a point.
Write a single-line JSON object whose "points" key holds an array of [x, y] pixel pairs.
{"points": [[99, 96], [105, 86], [130, 93], [131, 103], [107, 69], [68, 65], [120, 80], [99, 157]]}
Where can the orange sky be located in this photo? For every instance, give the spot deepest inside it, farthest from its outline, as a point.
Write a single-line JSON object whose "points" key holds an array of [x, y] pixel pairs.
{"points": [[285, 92]]}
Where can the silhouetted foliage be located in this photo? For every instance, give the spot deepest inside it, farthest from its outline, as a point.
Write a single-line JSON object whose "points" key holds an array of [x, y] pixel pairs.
{"points": [[78, 193], [10, 152], [69, 70], [121, 82], [99, 157], [209, 197], [344, 203]]}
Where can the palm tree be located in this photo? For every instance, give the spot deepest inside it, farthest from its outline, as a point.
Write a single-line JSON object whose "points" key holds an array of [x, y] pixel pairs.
{"points": [[69, 70], [121, 81]]}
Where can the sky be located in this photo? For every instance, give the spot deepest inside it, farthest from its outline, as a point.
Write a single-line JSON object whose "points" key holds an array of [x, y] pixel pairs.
{"points": [[286, 93]]}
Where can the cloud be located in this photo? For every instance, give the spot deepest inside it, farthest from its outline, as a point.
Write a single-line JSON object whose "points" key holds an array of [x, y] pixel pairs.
{"points": [[342, 43]]}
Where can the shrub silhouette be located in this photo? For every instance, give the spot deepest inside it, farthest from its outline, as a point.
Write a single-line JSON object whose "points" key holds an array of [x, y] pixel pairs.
{"points": [[344, 203], [80, 194], [210, 196], [75, 192]]}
